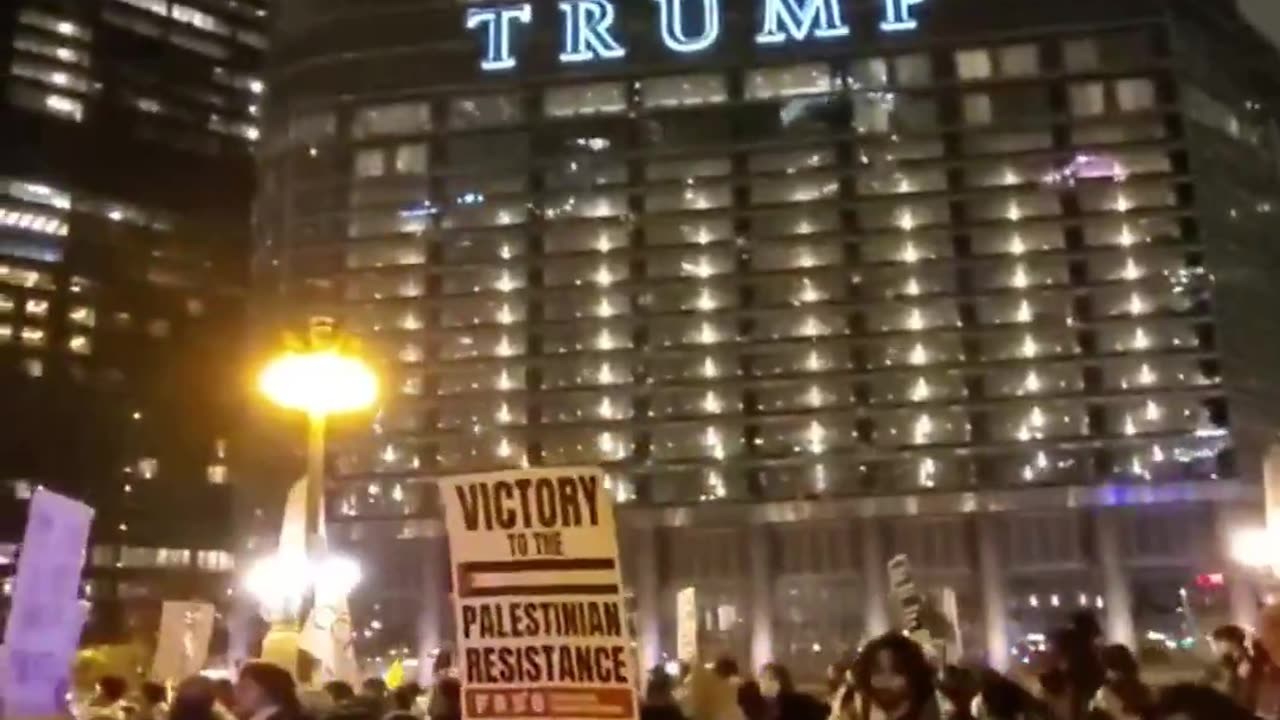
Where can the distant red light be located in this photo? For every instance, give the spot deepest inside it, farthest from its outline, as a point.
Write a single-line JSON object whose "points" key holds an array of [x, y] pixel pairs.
{"points": [[1210, 580]]}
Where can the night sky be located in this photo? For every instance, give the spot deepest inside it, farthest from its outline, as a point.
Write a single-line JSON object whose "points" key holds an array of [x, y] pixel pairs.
{"points": [[1265, 13]]}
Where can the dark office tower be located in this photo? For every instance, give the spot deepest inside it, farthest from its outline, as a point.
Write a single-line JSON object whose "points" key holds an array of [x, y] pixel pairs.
{"points": [[989, 284], [126, 182]]}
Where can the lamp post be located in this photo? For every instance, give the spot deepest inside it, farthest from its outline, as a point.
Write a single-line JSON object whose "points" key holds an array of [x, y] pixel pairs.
{"points": [[323, 378]]}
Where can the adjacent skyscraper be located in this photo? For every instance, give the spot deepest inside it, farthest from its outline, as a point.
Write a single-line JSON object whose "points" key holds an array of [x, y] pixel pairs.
{"points": [[818, 282], [126, 184]]}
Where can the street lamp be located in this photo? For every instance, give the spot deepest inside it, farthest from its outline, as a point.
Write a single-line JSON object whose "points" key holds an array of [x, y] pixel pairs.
{"points": [[321, 380]]}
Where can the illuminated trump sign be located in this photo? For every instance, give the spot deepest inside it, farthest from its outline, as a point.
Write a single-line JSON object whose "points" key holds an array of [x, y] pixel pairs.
{"points": [[588, 32]]}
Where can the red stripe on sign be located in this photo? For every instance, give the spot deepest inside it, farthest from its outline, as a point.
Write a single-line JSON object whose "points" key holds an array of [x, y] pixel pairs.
{"points": [[541, 565], [469, 591], [549, 702]]}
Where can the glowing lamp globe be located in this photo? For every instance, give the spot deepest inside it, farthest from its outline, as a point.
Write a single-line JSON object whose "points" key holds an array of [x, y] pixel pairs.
{"points": [[319, 383]]}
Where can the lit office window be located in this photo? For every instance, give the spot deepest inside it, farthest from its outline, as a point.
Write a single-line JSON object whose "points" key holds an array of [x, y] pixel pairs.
{"points": [[407, 118], [1088, 99], [370, 163], [1017, 61], [411, 159], [199, 19], [1081, 55], [808, 79], [158, 7], [973, 64], [485, 111], [683, 90], [593, 99], [1135, 94]]}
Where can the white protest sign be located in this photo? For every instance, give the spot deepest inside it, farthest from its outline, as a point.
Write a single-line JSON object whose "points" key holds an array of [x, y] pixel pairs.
{"points": [[46, 616], [541, 624], [903, 586], [687, 624], [183, 643]]}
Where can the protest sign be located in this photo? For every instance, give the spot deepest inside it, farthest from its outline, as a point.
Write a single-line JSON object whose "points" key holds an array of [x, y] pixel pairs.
{"points": [[540, 618], [183, 643], [903, 586], [687, 624], [46, 616]]}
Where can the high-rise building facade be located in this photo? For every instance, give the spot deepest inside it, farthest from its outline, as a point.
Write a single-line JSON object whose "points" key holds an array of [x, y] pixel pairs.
{"points": [[126, 187], [817, 282]]}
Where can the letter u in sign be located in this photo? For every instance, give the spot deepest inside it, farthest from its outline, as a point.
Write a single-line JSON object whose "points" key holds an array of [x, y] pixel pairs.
{"points": [[672, 15]]}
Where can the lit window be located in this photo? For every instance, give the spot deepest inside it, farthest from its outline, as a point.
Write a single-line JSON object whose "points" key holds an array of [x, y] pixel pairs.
{"points": [[788, 81], [399, 119], [411, 159], [1088, 99], [681, 90], [65, 106], [33, 336], [973, 64], [80, 345], [148, 467], [1135, 94], [199, 19], [37, 307], [33, 367], [370, 163], [216, 474], [593, 99]]}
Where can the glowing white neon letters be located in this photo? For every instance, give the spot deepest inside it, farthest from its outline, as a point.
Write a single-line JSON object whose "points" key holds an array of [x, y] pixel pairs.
{"points": [[674, 36], [800, 20], [899, 15], [497, 47], [588, 32]]}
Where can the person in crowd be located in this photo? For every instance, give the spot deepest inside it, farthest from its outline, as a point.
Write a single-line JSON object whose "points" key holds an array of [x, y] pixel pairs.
{"points": [[266, 692], [1070, 672], [659, 697], [782, 700], [374, 691], [958, 688], [1123, 695], [751, 701], [711, 695], [108, 702], [842, 693], [894, 681], [402, 702], [339, 692], [225, 692], [1234, 673], [346, 705], [195, 699], [446, 701], [1189, 701], [152, 703]]}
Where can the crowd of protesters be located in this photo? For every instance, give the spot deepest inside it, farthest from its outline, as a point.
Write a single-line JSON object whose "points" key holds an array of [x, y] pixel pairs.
{"points": [[1076, 677]]}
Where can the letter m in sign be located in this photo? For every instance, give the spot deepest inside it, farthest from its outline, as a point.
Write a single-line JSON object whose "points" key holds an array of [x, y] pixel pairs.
{"points": [[799, 20]]}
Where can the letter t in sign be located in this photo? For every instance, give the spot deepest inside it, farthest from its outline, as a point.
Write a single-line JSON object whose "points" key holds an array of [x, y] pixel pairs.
{"points": [[497, 25]]}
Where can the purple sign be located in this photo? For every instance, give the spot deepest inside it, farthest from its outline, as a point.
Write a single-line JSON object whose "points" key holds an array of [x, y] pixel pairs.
{"points": [[46, 616]]}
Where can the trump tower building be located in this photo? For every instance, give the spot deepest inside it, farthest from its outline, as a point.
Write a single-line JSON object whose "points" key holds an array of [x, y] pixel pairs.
{"points": [[817, 282]]}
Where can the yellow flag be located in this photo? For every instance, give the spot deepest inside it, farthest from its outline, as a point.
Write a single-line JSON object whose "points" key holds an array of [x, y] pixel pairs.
{"points": [[395, 675]]}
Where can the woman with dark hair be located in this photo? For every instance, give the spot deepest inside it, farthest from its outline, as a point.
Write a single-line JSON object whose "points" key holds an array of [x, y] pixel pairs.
{"points": [[266, 692], [782, 700], [894, 681], [1123, 695]]}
